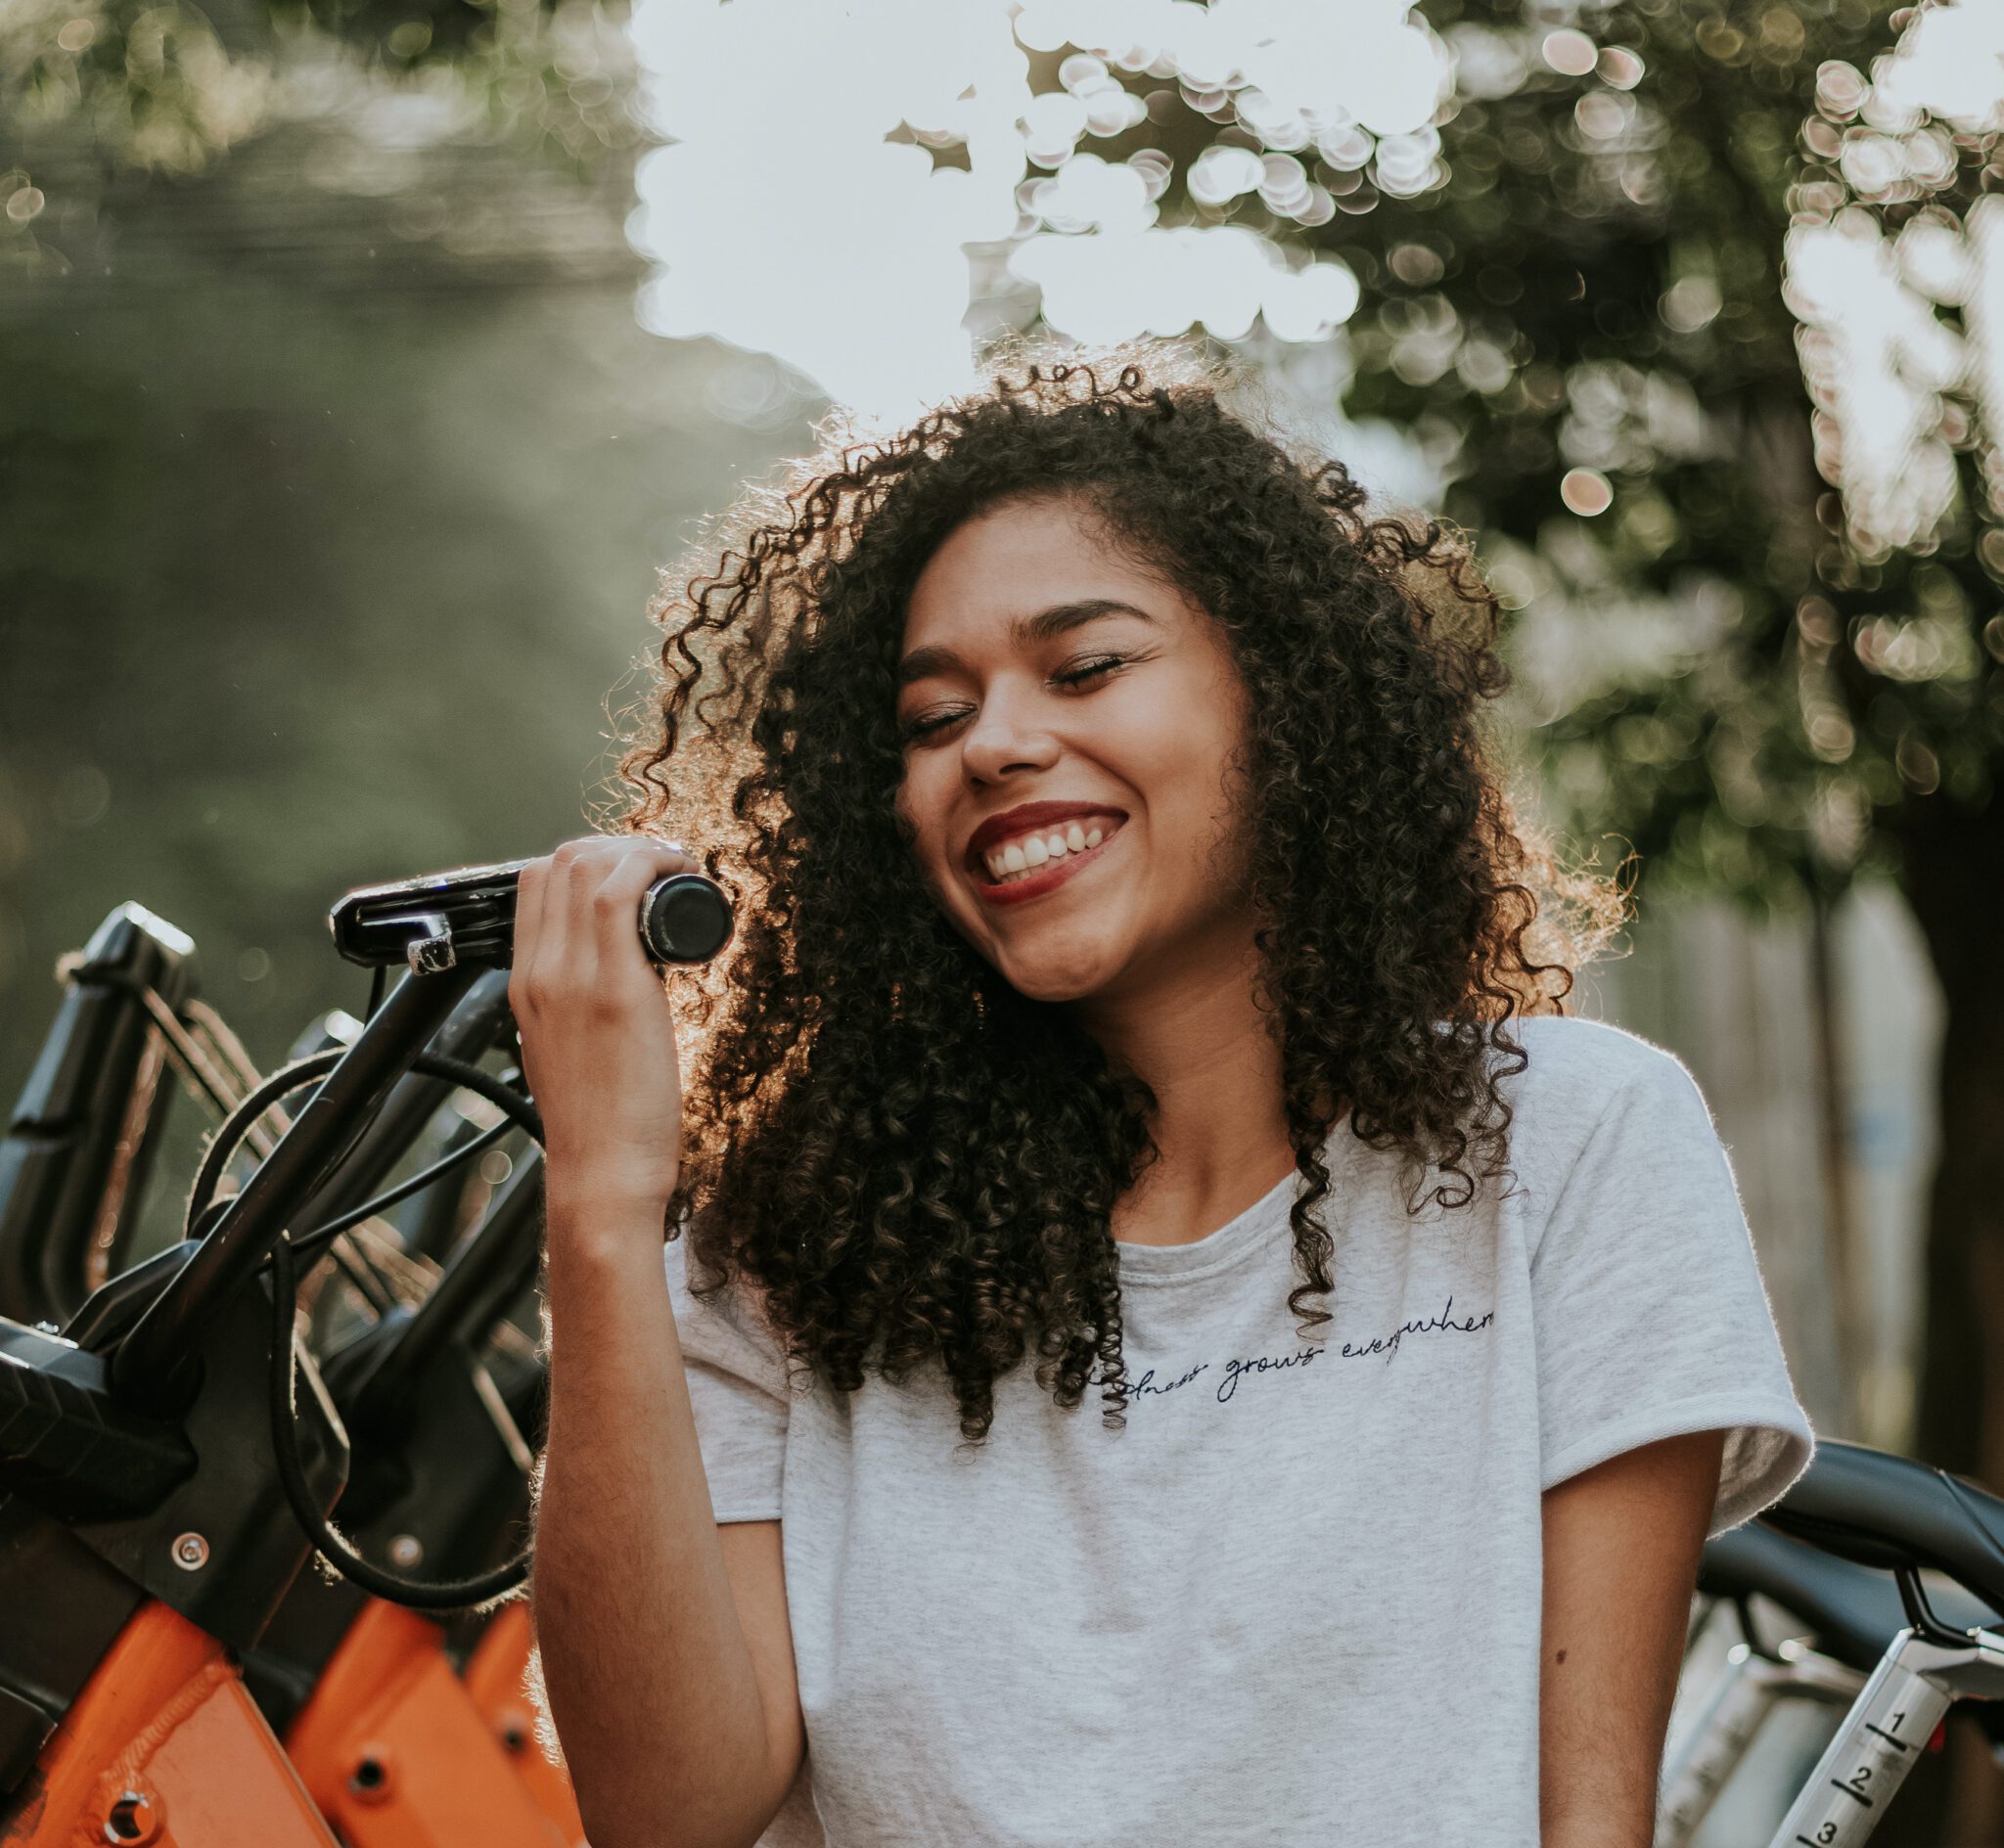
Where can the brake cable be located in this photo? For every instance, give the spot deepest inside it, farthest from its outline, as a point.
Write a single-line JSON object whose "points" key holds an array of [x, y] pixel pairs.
{"points": [[518, 1112], [210, 1084], [328, 1542], [303, 1072]]}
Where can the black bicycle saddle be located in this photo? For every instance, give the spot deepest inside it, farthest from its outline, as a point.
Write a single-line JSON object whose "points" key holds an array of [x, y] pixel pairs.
{"points": [[1853, 1610], [1877, 1509]]}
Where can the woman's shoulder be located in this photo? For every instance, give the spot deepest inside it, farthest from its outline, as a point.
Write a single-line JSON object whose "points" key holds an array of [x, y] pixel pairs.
{"points": [[726, 1328], [1571, 1063], [1581, 1075]]}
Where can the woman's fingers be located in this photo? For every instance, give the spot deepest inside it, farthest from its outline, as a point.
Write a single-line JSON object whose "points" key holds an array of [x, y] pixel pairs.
{"points": [[578, 911], [597, 1029], [530, 885], [616, 902]]}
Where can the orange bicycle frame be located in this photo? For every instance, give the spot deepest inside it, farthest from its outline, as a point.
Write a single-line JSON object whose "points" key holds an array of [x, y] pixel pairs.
{"points": [[164, 1749], [497, 1678], [397, 1755]]}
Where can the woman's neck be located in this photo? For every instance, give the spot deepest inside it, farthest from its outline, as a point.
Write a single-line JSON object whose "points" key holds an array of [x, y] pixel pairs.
{"points": [[1203, 1049]]}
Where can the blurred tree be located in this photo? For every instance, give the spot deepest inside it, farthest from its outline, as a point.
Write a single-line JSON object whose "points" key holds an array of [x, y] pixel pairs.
{"points": [[1596, 302], [92, 90]]}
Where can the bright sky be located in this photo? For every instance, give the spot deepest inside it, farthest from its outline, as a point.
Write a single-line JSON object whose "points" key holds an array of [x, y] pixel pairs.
{"points": [[781, 220]]}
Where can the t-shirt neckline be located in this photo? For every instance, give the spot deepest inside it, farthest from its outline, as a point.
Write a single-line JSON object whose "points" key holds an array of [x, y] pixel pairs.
{"points": [[1244, 1233]]}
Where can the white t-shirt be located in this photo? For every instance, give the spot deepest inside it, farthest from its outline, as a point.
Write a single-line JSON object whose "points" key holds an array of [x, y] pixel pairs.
{"points": [[1299, 1597]]}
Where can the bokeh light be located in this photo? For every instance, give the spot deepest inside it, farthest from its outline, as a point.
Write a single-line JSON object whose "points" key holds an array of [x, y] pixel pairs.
{"points": [[1586, 492], [1902, 301]]}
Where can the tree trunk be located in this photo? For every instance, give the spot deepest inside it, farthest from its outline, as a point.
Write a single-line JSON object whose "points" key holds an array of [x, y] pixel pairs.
{"points": [[1955, 883], [1841, 1229], [1954, 867]]}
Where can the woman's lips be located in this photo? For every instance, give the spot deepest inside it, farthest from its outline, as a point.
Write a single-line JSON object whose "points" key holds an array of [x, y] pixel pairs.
{"points": [[1047, 879]]}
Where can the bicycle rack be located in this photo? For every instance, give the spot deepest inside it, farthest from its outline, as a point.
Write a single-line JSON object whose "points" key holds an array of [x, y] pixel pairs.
{"points": [[1747, 1690]]}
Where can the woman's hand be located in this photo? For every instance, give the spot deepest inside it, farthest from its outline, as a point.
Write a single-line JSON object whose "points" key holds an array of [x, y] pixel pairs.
{"points": [[598, 1035]]}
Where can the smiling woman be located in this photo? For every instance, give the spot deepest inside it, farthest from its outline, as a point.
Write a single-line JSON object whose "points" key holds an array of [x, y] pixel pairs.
{"points": [[1098, 588], [1142, 985]]}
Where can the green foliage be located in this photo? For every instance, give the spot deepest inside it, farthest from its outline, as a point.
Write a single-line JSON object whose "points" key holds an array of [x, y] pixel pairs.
{"points": [[1609, 259], [1585, 309], [114, 83], [94, 89]]}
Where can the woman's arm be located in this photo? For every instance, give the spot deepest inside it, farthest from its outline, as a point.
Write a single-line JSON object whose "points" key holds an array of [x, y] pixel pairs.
{"points": [[1621, 1545], [667, 1659]]}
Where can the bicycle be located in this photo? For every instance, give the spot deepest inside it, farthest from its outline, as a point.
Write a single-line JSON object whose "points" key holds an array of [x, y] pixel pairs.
{"points": [[1852, 1612], [146, 1469]]}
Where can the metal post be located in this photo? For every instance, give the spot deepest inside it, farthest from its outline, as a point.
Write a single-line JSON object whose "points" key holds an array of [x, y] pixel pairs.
{"points": [[1885, 1733]]}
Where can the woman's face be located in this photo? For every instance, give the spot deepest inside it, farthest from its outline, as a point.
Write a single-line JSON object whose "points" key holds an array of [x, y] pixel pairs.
{"points": [[1042, 666]]}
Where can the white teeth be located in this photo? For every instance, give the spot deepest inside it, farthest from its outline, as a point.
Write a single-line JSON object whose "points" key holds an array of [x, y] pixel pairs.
{"points": [[1035, 850]]}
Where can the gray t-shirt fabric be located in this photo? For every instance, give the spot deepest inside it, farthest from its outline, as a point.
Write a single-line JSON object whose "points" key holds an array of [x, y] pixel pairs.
{"points": [[1297, 1598]]}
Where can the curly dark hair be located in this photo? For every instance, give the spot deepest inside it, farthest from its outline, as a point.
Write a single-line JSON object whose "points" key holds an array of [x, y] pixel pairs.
{"points": [[909, 1159]]}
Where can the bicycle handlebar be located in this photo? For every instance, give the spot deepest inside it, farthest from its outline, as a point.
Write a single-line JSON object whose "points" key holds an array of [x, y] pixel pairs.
{"points": [[434, 923], [452, 929]]}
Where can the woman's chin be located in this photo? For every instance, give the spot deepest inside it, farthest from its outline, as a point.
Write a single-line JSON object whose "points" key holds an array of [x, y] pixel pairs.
{"points": [[1051, 981], [1059, 959]]}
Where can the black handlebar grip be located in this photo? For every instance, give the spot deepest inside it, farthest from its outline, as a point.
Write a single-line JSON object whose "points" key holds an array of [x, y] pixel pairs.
{"points": [[684, 918], [467, 915]]}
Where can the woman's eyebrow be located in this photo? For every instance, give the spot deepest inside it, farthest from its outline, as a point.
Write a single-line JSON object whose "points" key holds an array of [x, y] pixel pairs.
{"points": [[1023, 632]]}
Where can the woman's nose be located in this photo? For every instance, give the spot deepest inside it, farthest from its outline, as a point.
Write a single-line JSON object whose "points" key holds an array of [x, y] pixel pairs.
{"points": [[1007, 734]]}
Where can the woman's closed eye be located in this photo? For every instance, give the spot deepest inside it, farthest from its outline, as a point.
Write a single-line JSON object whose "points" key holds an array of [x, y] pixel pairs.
{"points": [[1087, 670], [1086, 673]]}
